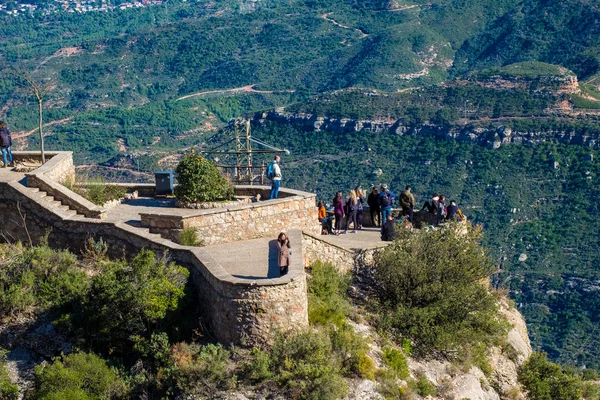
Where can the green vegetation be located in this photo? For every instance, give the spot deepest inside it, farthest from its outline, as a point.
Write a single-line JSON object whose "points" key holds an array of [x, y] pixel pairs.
{"points": [[432, 292], [35, 279], [396, 362], [95, 189], [78, 376], [554, 32], [528, 69], [200, 180], [189, 237], [544, 380], [424, 387], [328, 303], [8, 390], [127, 298]]}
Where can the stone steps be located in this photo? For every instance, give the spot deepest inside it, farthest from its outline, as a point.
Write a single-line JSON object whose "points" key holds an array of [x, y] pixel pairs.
{"points": [[56, 203]]}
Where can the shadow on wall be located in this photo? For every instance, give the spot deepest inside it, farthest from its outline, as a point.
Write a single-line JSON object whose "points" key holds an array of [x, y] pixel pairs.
{"points": [[273, 264]]}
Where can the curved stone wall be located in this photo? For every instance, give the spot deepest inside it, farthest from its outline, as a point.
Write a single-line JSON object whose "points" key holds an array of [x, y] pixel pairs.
{"points": [[236, 310]]}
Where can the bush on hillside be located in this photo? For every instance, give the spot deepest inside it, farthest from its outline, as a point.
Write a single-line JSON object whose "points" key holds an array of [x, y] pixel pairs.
{"points": [[200, 180], [8, 390], [304, 363], [38, 278], [545, 380], [78, 376], [127, 298], [432, 291], [327, 300]]}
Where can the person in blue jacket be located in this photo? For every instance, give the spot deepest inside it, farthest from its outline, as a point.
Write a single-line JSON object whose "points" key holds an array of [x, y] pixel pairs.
{"points": [[386, 200]]}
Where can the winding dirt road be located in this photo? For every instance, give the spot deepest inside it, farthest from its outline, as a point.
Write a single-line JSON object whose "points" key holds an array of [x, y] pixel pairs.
{"points": [[243, 89]]}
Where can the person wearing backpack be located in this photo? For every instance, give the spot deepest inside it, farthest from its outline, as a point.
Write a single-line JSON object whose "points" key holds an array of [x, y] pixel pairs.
{"points": [[386, 200], [5, 143], [352, 204], [407, 202], [274, 174]]}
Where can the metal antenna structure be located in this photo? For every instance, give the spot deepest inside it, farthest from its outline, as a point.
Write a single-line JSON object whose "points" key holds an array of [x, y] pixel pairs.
{"points": [[244, 170]]}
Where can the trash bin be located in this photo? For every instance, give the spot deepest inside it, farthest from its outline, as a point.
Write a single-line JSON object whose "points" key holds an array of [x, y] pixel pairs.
{"points": [[164, 183]]}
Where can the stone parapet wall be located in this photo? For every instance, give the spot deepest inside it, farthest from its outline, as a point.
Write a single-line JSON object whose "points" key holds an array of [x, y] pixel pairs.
{"points": [[56, 169], [236, 310], [295, 210], [316, 249]]}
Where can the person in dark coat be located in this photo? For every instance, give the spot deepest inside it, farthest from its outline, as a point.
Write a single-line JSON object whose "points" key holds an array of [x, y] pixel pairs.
{"points": [[388, 230], [452, 213], [374, 209], [338, 211], [5, 143], [407, 202], [283, 260], [432, 205]]}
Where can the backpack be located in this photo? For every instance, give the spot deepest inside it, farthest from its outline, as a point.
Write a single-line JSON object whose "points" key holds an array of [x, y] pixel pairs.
{"points": [[271, 170], [386, 200], [4, 138]]}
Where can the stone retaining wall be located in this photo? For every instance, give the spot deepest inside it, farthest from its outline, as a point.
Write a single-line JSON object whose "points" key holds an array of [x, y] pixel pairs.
{"points": [[56, 169], [236, 310], [316, 249], [295, 210]]}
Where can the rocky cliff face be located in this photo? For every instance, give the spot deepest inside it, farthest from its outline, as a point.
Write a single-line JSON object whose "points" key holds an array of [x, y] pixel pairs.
{"points": [[490, 137], [474, 384]]}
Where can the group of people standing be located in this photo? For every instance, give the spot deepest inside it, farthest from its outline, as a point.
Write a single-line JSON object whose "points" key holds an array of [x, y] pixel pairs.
{"points": [[380, 202], [352, 209]]}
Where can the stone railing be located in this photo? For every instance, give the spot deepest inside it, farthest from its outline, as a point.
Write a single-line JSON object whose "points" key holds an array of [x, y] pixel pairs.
{"points": [[294, 209], [47, 178]]}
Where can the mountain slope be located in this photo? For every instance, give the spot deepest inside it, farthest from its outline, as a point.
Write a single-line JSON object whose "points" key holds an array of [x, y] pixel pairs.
{"points": [[559, 32]]}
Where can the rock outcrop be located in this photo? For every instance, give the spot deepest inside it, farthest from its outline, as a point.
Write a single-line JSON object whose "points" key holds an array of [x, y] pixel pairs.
{"points": [[490, 137]]}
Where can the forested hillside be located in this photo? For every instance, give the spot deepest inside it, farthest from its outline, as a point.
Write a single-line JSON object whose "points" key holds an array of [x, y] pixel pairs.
{"points": [[133, 89], [558, 32]]}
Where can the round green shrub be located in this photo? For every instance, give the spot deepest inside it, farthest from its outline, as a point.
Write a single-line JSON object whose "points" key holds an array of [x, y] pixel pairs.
{"points": [[200, 180], [78, 376]]}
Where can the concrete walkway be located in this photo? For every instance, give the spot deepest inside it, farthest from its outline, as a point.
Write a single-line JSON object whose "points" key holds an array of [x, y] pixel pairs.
{"points": [[366, 238], [129, 211], [8, 175], [251, 259]]}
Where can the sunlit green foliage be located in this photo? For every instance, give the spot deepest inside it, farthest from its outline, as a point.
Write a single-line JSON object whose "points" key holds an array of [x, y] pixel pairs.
{"points": [[327, 295], [544, 380], [33, 279], [8, 390], [200, 180], [127, 297], [432, 291], [78, 376]]}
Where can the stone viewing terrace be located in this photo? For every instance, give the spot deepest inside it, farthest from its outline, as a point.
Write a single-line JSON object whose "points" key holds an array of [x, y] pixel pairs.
{"points": [[234, 273]]}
